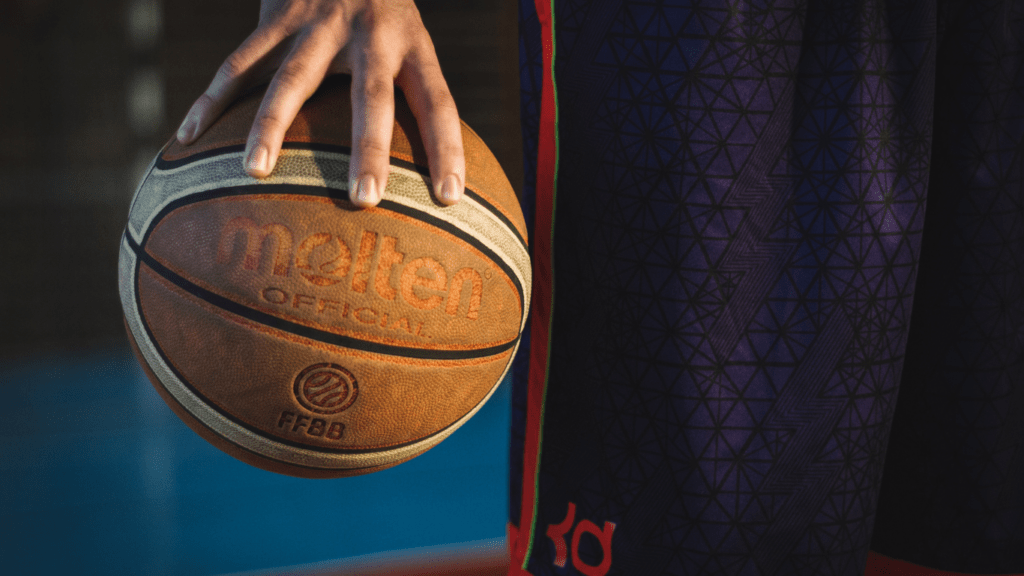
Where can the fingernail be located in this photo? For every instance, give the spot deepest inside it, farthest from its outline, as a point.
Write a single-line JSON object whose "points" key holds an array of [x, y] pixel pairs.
{"points": [[258, 159], [186, 130], [367, 191], [353, 188], [450, 189]]}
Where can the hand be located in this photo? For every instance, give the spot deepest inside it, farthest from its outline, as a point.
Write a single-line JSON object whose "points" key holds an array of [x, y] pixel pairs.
{"points": [[381, 43]]}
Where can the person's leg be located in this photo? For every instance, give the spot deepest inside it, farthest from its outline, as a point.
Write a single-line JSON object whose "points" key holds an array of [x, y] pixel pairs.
{"points": [[731, 216], [952, 496]]}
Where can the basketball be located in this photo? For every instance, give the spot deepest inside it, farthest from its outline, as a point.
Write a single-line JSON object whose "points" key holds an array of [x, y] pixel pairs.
{"points": [[301, 334]]}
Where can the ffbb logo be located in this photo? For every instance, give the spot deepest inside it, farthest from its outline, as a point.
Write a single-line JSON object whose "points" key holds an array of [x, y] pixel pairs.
{"points": [[326, 388], [324, 259], [558, 532]]}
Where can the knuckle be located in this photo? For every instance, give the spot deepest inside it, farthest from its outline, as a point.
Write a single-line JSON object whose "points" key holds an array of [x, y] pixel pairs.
{"points": [[371, 17], [451, 160], [204, 102], [232, 68], [292, 14], [270, 122], [298, 14], [292, 76], [377, 89], [330, 12], [452, 149], [438, 100], [331, 32], [372, 52], [422, 45], [373, 148], [441, 99]]}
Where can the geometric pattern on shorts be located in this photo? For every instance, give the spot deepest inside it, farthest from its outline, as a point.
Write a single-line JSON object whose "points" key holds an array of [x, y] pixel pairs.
{"points": [[953, 490], [739, 213]]}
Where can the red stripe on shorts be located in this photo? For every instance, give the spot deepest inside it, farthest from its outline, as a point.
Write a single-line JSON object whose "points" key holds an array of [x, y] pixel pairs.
{"points": [[543, 292]]}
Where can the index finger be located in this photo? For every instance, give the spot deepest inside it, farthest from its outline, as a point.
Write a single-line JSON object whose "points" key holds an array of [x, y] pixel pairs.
{"points": [[292, 85], [232, 77]]}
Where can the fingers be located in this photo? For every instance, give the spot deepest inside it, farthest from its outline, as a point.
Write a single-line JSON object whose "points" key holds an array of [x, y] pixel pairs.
{"points": [[234, 75], [389, 45], [373, 117], [438, 119], [296, 80]]}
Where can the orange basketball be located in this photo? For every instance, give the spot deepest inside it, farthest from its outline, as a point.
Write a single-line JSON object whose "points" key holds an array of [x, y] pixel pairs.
{"points": [[303, 335]]}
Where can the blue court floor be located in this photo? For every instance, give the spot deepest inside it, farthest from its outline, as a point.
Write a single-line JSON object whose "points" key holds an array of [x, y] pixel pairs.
{"points": [[99, 477]]}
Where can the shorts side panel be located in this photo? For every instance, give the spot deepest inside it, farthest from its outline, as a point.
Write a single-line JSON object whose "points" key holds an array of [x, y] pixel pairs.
{"points": [[740, 206]]}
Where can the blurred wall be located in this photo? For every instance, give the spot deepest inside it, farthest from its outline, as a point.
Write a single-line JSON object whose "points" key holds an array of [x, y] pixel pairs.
{"points": [[89, 91]]}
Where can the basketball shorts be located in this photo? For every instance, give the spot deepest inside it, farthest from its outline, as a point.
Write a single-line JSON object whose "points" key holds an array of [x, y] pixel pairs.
{"points": [[778, 323]]}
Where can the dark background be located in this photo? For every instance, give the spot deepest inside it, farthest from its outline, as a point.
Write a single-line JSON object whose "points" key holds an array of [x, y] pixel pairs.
{"points": [[89, 91]]}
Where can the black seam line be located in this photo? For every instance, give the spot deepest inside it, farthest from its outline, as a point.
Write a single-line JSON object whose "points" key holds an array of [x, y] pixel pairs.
{"points": [[306, 331], [260, 433], [298, 189], [243, 190], [162, 164], [460, 234], [508, 223], [170, 164]]}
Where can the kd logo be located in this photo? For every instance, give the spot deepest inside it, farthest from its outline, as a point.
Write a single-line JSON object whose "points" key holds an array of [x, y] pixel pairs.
{"points": [[557, 532]]}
